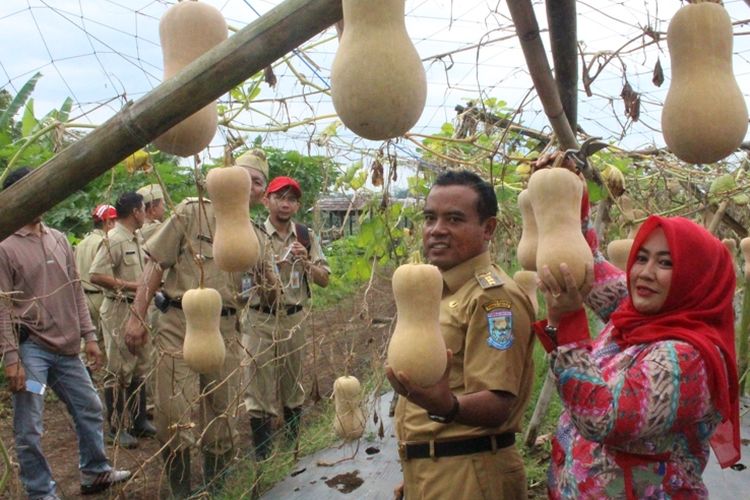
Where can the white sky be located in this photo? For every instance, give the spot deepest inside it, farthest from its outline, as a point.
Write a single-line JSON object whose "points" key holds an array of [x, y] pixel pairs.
{"points": [[97, 51]]}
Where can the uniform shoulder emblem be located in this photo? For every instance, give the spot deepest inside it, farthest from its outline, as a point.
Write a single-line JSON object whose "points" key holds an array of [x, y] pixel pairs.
{"points": [[488, 278], [499, 324]]}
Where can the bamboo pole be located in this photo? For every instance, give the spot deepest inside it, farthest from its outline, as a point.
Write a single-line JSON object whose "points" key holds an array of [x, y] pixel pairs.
{"points": [[527, 30], [228, 64]]}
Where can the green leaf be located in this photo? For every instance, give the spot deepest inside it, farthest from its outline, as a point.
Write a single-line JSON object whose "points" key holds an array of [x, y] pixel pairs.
{"points": [[29, 122], [19, 100]]}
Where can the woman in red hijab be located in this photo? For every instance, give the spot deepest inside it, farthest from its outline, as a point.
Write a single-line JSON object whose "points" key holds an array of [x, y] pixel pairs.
{"points": [[643, 401]]}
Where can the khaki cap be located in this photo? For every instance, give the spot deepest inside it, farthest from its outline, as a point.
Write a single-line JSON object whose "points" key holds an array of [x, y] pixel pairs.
{"points": [[151, 192], [255, 159]]}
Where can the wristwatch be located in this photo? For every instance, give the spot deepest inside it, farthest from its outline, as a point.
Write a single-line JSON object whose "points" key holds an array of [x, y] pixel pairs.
{"points": [[551, 332], [450, 416]]}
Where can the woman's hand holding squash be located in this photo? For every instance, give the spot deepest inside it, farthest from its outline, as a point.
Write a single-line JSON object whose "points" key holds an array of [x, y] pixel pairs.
{"points": [[566, 297]]}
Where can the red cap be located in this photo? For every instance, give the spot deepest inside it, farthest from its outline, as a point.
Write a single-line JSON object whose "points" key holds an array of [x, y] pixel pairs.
{"points": [[282, 182], [104, 212]]}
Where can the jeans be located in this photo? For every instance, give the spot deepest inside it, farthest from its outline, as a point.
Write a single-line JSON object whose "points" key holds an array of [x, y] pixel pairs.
{"points": [[67, 376]]}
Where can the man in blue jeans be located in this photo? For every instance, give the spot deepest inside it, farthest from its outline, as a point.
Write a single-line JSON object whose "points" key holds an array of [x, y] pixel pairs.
{"points": [[43, 317]]}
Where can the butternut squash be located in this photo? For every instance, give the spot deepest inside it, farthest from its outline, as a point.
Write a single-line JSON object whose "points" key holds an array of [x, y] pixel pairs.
{"points": [[705, 116], [745, 248], [527, 282], [618, 252], [378, 83], [235, 246], [526, 250], [417, 347], [187, 30], [731, 245], [555, 195], [203, 348], [349, 422]]}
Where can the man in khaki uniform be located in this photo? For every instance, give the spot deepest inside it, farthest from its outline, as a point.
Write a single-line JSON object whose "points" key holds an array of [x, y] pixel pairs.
{"points": [[273, 332], [116, 268], [104, 217], [153, 199], [456, 438], [181, 248]]}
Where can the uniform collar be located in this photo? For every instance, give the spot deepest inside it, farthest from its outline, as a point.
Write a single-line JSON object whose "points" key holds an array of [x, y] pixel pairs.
{"points": [[455, 277], [271, 229], [125, 230]]}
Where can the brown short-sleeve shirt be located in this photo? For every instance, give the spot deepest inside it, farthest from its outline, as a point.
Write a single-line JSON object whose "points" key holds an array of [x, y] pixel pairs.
{"points": [[121, 256], [292, 273], [183, 241], [486, 321]]}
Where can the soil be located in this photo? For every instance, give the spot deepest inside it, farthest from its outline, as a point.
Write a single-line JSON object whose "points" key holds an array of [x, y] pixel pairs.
{"points": [[349, 338]]}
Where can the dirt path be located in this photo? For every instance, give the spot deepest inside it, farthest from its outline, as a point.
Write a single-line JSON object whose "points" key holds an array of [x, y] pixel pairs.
{"points": [[350, 337]]}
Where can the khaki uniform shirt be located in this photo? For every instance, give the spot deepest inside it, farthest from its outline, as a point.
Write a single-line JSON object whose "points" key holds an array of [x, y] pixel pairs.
{"points": [[149, 228], [181, 242], [85, 252], [47, 295], [254, 289], [121, 256], [486, 321], [291, 272]]}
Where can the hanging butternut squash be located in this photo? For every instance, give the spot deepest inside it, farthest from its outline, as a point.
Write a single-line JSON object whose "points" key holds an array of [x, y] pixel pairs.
{"points": [[527, 282], [203, 348], [705, 116], [526, 250], [235, 245], [187, 30], [378, 83], [618, 252], [417, 347]]}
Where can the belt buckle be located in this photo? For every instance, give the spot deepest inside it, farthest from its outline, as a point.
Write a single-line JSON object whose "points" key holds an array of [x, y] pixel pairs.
{"points": [[402, 451]]}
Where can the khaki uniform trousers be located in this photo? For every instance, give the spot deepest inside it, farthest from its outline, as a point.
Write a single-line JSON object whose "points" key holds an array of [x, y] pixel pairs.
{"points": [[94, 303], [122, 366], [487, 476], [275, 346], [179, 390]]}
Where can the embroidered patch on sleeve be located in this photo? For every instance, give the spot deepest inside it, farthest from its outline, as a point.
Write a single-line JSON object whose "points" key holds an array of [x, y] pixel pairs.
{"points": [[500, 326]]}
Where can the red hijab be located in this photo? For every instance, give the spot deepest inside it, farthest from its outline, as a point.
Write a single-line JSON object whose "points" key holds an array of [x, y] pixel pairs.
{"points": [[698, 310]]}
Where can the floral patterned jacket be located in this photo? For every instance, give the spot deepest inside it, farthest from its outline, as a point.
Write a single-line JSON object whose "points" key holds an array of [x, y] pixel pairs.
{"points": [[636, 419]]}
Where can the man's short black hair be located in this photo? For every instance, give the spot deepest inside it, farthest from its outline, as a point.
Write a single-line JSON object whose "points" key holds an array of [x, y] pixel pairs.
{"points": [[486, 198], [15, 176], [127, 203]]}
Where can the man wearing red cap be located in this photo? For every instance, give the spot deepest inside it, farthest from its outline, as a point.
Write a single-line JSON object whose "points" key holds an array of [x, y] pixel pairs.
{"points": [[104, 217], [273, 332]]}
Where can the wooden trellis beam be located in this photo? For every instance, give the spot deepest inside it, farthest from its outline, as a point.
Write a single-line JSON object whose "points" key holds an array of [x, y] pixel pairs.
{"points": [[225, 66], [561, 17]]}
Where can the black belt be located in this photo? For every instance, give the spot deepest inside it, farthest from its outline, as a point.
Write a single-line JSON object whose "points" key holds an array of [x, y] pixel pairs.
{"points": [[91, 291], [177, 304], [456, 447], [272, 310], [120, 298]]}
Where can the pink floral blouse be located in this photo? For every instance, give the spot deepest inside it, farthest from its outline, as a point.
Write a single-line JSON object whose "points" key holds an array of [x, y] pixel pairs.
{"points": [[636, 419]]}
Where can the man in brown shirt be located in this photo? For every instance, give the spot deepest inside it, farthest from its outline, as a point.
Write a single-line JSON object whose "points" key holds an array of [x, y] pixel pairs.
{"points": [[103, 217], [456, 438], [43, 317], [181, 252], [116, 268], [274, 332]]}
